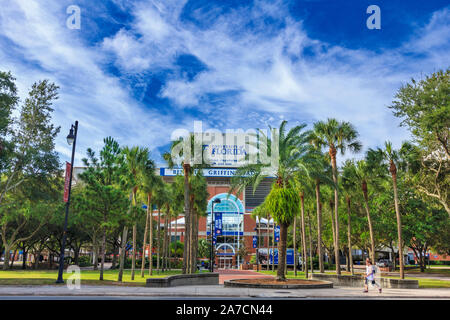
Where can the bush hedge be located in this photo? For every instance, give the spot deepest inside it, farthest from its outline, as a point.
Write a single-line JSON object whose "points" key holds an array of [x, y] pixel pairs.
{"points": [[84, 261]]}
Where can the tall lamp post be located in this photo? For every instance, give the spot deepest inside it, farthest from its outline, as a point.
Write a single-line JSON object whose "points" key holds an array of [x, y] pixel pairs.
{"points": [[211, 263], [71, 140]]}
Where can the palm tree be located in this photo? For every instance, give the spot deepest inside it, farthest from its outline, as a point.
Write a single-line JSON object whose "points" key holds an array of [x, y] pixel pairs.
{"points": [[349, 189], [257, 214], [161, 198], [199, 202], [273, 243], [362, 174], [391, 156], [294, 243], [336, 136], [137, 161], [310, 245], [150, 183], [293, 147], [268, 238], [167, 219], [177, 205], [188, 168], [305, 255], [283, 202], [318, 175]]}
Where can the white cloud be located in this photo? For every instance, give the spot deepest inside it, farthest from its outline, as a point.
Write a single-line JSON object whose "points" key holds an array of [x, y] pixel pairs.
{"points": [[100, 103], [260, 75]]}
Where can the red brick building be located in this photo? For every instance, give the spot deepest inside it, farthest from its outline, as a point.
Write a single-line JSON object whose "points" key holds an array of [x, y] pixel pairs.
{"points": [[237, 226]]}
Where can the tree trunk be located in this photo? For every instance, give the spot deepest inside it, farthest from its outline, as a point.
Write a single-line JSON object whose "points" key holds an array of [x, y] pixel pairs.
{"points": [[336, 212], [259, 244], [150, 249], [115, 253], [188, 243], [399, 222], [349, 234], [7, 257], [167, 243], [95, 252], [164, 244], [158, 252], [24, 257], [294, 232], [103, 253], [76, 255], [176, 239], [187, 240], [37, 258], [133, 257], [144, 242], [166, 237], [333, 229], [186, 168], [319, 226], [282, 253], [305, 253], [191, 236], [422, 260], [393, 256], [302, 252], [194, 240], [285, 260], [369, 220], [267, 241], [273, 246], [123, 246], [169, 252], [310, 245], [13, 259]]}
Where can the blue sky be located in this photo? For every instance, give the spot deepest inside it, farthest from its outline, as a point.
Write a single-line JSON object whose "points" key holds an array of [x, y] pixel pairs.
{"points": [[138, 70]]}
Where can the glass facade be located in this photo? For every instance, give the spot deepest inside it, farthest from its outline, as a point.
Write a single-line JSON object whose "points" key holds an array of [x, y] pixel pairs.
{"points": [[232, 213]]}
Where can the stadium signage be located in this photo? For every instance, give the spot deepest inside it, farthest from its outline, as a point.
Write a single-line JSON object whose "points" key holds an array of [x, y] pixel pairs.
{"points": [[206, 172]]}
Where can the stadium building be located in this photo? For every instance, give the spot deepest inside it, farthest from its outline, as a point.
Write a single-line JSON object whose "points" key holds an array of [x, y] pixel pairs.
{"points": [[233, 225]]}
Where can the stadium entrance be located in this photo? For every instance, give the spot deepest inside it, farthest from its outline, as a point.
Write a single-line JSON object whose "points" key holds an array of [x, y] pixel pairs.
{"points": [[227, 229]]}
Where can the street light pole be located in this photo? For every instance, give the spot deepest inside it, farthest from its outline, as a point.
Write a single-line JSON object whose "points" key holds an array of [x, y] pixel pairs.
{"points": [[211, 263], [71, 139]]}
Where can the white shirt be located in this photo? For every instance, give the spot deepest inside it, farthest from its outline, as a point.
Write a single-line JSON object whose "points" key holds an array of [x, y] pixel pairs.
{"points": [[369, 272]]}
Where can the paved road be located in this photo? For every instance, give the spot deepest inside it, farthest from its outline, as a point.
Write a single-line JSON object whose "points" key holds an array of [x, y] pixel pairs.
{"points": [[212, 292], [220, 291]]}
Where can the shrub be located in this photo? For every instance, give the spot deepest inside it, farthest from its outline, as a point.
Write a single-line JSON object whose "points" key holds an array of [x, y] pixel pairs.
{"points": [[173, 263], [177, 264], [315, 261], [84, 261], [439, 262], [180, 248]]}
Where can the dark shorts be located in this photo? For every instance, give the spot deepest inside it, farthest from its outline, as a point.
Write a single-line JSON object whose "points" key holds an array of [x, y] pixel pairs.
{"points": [[371, 281]]}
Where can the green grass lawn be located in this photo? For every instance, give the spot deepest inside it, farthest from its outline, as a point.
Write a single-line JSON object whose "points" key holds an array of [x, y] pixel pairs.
{"points": [[428, 282], [439, 266], [430, 271], [48, 277], [432, 283]]}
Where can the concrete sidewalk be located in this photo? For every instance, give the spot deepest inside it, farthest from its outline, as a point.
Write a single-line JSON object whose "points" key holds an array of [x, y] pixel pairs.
{"points": [[221, 291]]}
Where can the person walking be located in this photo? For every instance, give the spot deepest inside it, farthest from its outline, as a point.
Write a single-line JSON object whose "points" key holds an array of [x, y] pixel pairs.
{"points": [[370, 276]]}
